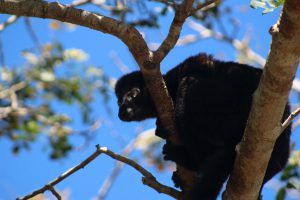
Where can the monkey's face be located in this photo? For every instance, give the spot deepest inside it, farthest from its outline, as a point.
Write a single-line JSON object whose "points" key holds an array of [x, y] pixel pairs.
{"points": [[135, 105]]}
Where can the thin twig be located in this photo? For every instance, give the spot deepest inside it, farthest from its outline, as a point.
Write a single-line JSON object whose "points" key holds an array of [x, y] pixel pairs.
{"points": [[64, 175], [205, 32], [206, 5], [54, 192], [12, 19], [118, 62], [32, 34], [148, 178], [181, 14], [289, 120]]}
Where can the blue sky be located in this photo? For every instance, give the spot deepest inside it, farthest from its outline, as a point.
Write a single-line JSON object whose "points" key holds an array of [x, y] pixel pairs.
{"points": [[32, 169]]}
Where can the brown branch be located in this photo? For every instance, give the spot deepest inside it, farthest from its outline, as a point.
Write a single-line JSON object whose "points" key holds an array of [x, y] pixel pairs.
{"points": [[54, 192], [64, 175], [158, 90], [148, 178], [206, 5], [289, 120], [32, 34], [54, 10], [263, 128], [180, 16]]}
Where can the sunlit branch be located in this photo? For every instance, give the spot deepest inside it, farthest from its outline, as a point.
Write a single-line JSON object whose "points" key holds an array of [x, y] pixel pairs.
{"points": [[12, 19], [206, 5], [54, 10], [147, 179], [181, 14], [289, 120]]}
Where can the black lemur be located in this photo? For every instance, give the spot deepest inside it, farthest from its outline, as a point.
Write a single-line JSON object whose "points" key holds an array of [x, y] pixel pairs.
{"points": [[212, 100]]}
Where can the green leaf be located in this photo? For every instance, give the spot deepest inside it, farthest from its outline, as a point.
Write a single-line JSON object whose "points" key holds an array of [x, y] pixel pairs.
{"points": [[32, 127], [257, 4], [281, 194]]}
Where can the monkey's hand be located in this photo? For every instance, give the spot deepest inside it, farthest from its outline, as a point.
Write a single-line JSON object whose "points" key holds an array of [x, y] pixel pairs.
{"points": [[179, 155], [160, 130]]}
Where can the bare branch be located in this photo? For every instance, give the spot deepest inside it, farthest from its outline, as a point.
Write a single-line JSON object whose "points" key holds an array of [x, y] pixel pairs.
{"points": [[54, 10], [206, 5], [64, 175], [262, 130], [12, 19], [238, 44], [180, 15], [148, 178], [289, 120], [54, 192], [32, 34]]}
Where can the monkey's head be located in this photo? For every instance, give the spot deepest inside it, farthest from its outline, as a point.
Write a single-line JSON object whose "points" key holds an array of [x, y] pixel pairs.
{"points": [[135, 103]]}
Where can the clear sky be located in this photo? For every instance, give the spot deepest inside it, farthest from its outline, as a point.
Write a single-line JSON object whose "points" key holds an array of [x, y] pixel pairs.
{"points": [[20, 174]]}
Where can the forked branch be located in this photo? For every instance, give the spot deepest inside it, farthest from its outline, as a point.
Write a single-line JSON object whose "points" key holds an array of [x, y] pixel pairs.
{"points": [[148, 178]]}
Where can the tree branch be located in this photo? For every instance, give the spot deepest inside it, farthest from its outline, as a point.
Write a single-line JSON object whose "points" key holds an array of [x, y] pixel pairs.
{"points": [[180, 15], [54, 10], [10, 20], [254, 151], [54, 192], [289, 120], [148, 178], [206, 5]]}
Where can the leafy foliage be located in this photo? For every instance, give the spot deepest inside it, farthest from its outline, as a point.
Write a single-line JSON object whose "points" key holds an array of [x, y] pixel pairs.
{"points": [[30, 97], [267, 5], [290, 176]]}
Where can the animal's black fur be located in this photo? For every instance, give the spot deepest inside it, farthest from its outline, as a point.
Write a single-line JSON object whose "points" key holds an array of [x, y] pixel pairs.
{"points": [[212, 103]]}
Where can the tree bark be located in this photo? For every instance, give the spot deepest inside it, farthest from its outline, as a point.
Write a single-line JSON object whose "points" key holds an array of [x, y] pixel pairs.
{"points": [[269, 100]]}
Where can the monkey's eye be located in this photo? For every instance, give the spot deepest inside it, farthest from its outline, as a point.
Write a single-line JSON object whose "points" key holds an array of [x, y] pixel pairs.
{"points": [[135, 92]]}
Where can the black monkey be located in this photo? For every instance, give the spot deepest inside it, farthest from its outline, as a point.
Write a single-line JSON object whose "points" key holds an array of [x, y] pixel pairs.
{"points": [[212, 102]]}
